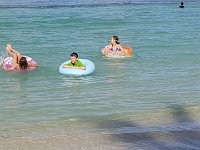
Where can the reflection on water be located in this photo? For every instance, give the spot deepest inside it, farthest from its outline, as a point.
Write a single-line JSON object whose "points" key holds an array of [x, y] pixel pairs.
{"points": [[116, 62], [15, 87], [76, 81]]}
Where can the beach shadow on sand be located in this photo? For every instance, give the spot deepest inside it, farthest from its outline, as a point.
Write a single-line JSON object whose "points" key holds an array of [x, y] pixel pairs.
{"points": [[183, 134]]}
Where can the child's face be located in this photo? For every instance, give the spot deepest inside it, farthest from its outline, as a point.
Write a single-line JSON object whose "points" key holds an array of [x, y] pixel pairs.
{"points": [[73, 59]]}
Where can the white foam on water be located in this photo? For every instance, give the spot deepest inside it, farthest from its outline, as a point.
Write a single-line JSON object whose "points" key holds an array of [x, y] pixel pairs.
{"points": [[3, 55]]}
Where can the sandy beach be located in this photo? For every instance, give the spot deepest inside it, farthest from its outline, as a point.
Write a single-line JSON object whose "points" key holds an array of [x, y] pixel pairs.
{"points": [[154, 140], [157, 131], [60, 143]]}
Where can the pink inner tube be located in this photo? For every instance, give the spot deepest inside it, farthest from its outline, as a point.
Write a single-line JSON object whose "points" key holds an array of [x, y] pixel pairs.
{"points": [[8, 64]]}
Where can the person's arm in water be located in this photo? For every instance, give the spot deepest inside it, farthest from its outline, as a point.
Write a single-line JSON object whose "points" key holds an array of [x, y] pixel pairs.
{"points": [[74, 67], [33, 65]]}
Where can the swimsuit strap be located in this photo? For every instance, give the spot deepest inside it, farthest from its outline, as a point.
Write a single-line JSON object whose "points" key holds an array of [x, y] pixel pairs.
{"points": [[115, 48]]}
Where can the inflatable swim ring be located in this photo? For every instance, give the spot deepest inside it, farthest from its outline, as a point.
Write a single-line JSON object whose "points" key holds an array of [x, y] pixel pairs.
{"points": [[7, 64], [129, 52], [90, 67]]}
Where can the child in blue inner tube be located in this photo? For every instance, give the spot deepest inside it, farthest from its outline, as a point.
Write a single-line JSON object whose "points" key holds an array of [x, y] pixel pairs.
{"points": [[75, 63]]}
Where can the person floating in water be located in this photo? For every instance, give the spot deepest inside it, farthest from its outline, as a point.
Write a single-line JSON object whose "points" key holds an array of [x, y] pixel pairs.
{"points": [[182, 5], [19, 61], [114, 46], [75, 63]]}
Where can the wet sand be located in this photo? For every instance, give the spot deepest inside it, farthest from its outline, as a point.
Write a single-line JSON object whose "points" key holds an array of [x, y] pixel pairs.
{"points": [[60, 143], [136, 141], [177, 128]]}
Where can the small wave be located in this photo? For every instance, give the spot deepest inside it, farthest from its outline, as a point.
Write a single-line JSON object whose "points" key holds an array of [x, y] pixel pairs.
{"points": [[63, 6], [57, 4], [82, 5]]}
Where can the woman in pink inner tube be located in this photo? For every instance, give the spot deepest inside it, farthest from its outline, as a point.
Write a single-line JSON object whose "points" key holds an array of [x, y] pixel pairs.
{"points": [[19, 62]]}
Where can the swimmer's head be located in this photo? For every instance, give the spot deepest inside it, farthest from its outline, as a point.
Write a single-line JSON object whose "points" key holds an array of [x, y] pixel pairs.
{"points": [[73, 57], [74, 54], [23, 64], [115, 39]]}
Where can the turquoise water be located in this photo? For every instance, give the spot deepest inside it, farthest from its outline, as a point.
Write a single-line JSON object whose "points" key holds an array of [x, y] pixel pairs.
{"points": [[162, 76]]}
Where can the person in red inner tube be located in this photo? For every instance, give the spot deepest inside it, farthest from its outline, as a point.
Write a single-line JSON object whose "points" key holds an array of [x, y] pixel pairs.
{"points": [[19, 62], [114, 47]]}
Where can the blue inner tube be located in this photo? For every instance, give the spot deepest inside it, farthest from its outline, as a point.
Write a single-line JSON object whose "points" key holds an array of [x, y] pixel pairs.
{"points": [[90, 67]]}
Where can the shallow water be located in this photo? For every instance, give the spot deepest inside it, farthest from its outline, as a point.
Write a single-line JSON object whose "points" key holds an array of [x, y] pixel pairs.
{"points": [[161, 77]]}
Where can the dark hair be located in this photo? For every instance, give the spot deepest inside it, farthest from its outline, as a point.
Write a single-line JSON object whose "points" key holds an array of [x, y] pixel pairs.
{"points": [[116, 39], [74, 54], [23, 64]]}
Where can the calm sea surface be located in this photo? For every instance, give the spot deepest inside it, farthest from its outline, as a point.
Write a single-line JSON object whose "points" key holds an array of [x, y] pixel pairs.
{"points": [[157, 87]]}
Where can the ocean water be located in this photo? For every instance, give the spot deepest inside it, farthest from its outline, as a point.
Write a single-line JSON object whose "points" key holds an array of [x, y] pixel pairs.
{"points": [[156, 90]]}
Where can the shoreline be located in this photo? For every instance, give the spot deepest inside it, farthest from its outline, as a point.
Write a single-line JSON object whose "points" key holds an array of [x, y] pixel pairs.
{"points": [[160, 120], [176, 128]]}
